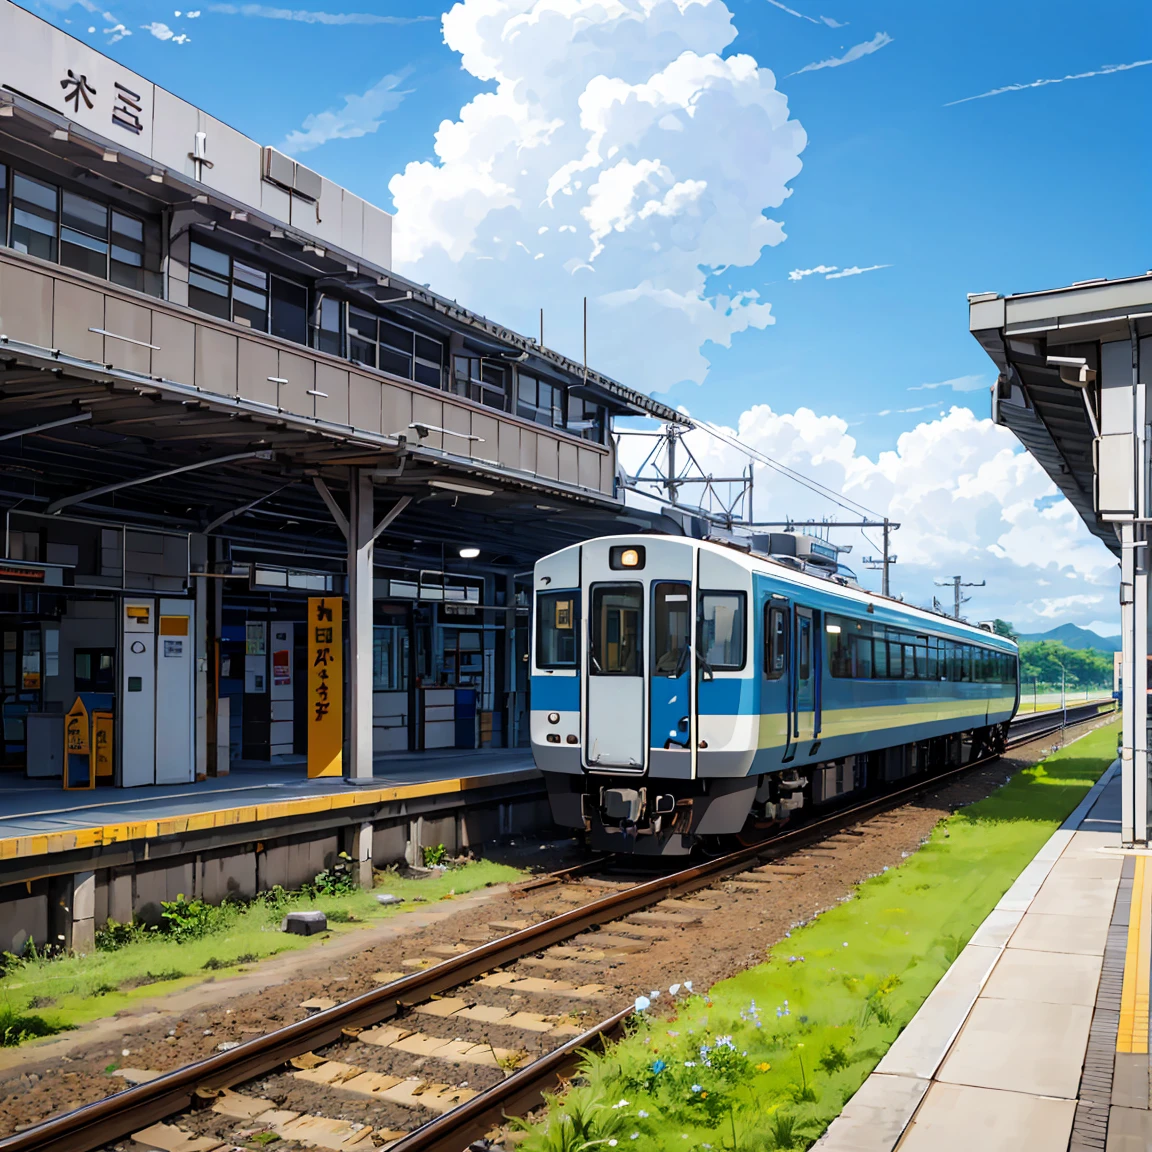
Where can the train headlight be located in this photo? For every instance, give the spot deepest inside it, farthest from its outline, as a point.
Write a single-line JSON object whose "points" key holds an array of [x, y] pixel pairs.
{"points": [[553, 717], [626, 557], [629, 558]]}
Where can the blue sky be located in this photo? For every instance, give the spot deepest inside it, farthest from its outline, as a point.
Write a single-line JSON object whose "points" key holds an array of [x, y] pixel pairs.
{"points": [[1030, 188]]}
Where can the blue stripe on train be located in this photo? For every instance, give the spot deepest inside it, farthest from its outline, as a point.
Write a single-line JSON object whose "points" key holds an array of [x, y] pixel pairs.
{"points": [[555, 694]]}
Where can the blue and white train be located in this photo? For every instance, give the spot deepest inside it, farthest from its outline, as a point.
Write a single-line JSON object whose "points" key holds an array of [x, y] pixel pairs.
{"points": [[685, 691]]}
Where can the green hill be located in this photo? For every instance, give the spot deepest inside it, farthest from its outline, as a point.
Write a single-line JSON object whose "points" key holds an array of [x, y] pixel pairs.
{"points": [[1076, 637]]}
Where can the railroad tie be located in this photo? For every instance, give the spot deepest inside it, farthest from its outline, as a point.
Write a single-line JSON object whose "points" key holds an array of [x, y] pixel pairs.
{"points": [[541, 985], [455, 1051], [381, 1086]]}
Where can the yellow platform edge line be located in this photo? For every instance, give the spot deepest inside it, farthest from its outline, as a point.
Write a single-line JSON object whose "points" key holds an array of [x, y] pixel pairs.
{"points": [[16, 847], [1128, 1039]]}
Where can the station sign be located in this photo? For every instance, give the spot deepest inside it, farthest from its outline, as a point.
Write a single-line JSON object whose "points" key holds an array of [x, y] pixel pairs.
{"points": [[325, 686]]}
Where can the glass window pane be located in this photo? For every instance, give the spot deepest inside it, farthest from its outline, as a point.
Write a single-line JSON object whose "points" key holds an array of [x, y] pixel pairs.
{"points": [[207, 294], [249, 307], [88, 216], [127, 227], [722, 629], [253, 277], [210, 259], [84, 253], [395, 362], [329, 337], [672, 629], [289, 311], [396, 337], [3, 205], [430, 350], [557, 625], [428, 374], [34, 192], [617, 612], [775, 642]]}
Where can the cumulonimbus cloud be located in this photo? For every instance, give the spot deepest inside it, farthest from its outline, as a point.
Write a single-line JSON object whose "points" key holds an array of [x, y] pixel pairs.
{"points": [[600, 163], [857, 52]]}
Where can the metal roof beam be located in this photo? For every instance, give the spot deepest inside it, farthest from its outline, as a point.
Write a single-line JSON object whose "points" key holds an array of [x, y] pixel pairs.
{"points": [[68, 501]]}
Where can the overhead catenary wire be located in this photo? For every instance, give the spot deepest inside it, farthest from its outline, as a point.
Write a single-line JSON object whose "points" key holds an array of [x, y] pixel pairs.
{"points": [[814, 486]]}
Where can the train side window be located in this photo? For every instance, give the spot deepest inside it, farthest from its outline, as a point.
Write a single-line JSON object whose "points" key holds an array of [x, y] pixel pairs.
{"points": [[671, 628], [862, 657], [722, 630], [617, 623], [839, 646], [557, 626], [775, 641]]}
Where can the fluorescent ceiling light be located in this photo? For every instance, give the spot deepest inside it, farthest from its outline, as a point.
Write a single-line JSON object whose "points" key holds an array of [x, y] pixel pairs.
{"points": [[460, 486], [469, 553]]}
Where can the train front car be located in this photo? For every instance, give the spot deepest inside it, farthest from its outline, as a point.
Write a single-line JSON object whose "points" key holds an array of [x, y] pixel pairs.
{"points": [[686, 691]]}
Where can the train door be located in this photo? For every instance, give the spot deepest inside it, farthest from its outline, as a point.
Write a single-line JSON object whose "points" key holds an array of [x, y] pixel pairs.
{"points": [[670, 686], [616, 730], [804, 677]]}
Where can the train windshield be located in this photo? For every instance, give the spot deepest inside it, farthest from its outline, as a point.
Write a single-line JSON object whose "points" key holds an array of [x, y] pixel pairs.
{"points": [[672, 629], [617, 611], [557, 622]]}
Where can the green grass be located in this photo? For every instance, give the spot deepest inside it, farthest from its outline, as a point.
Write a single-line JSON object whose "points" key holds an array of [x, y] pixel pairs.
{"points": [[42, 996], [768, 1058]]}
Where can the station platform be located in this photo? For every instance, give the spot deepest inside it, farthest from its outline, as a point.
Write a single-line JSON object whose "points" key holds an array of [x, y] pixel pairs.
{"points": [[38, 817], [1037, 1037]]}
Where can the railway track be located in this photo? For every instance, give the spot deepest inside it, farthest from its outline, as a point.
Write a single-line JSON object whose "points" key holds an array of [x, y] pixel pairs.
{"points": [[365, 1027]]}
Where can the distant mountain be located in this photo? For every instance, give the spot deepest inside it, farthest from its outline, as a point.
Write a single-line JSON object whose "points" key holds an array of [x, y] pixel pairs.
{"points": [[1077, 637]]}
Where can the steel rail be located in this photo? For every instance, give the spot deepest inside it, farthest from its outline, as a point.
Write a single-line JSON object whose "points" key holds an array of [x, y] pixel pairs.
{"points": [[117, 1116]]}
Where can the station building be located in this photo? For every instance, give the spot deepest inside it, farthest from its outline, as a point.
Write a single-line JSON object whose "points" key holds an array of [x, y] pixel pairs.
{"points": [[1074, 369], [218, 400]]}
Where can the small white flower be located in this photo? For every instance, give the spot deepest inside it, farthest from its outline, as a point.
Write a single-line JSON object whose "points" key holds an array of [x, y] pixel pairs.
{"points": [[655, 993], [673, 989], [688, 985], [845, 943], [634, 1136], [642, 1002], [642, 1114], [621, 1104], [611, 1143], [695, 1087]]}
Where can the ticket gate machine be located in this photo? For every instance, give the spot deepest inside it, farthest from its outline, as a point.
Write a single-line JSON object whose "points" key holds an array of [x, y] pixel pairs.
{"points": [[157, 703]]}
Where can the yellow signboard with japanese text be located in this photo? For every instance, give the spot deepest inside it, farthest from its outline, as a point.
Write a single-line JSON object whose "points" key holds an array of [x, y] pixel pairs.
{"points": [[325, 686]]}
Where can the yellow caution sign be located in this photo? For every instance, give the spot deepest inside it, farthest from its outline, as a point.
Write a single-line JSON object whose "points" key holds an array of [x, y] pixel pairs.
{"points": [[76, 738], [325, 686], [102, 735]]}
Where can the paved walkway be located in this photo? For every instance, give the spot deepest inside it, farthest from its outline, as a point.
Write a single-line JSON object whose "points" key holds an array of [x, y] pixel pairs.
{"points": [[37, 817], [1037, 1036]]}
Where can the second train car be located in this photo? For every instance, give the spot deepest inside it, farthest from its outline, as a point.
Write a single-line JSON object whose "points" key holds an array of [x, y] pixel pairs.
{"points": [[686, 691]]}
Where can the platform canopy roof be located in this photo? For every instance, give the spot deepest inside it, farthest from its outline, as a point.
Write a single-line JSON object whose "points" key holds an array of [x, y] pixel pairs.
{"points": [[1026, 335]]}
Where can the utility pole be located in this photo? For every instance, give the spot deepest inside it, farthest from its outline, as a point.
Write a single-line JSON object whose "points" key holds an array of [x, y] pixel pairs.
{"points": [[957, 583]]}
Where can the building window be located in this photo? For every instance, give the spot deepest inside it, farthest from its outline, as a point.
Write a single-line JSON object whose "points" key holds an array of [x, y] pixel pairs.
{"points": [[79, 232], [329, 331], [586, 420], [540, 401], [35, 207], [235, 290], [484, 381], [84, 235]]}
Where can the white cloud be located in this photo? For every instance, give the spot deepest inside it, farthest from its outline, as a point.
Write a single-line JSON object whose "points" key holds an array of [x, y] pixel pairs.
{"points": [[968, 500], [854, 271], [359, 116], [1106, 628], [1106, 70], [1058, 607], [827, 21], [304, 16], [819, 270], [956, 384], [880, 40], [163, 32], [611, 124]]}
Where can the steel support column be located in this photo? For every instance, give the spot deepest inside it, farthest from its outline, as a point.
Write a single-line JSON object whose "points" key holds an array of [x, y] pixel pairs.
{"points": [[361, 538]]}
